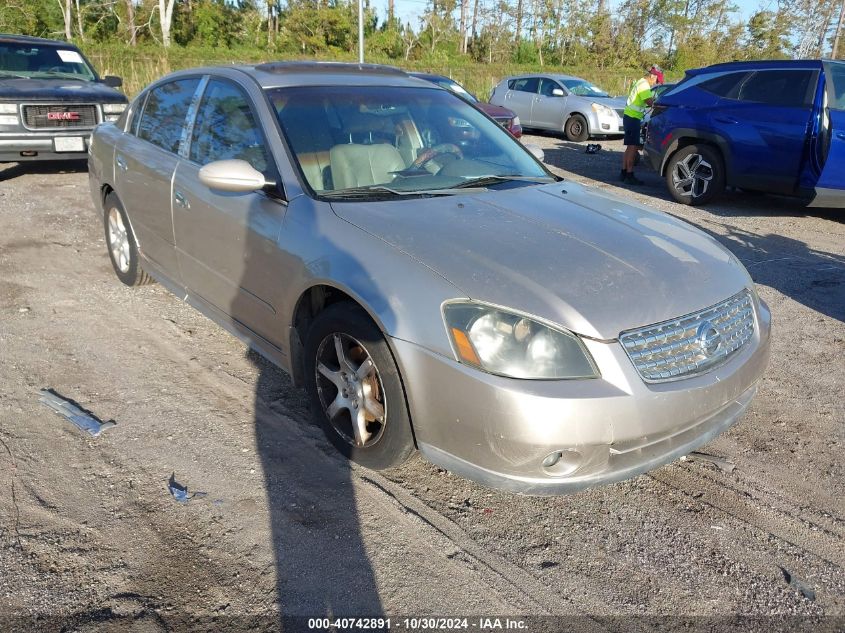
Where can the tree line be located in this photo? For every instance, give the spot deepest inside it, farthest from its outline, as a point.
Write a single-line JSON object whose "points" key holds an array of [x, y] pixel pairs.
{"points": [[630, 33]]}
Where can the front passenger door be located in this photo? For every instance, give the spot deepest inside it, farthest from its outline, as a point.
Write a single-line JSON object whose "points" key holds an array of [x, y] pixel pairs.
{"points": [[227, 242]]}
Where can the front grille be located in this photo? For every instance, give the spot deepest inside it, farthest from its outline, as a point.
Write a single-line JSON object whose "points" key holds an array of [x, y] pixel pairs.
{"points": [[57, 117], [691, 344]]}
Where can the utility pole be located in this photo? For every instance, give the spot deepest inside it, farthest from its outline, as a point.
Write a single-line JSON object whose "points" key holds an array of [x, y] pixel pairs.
{"points": [[360, 31], [838, 31]]}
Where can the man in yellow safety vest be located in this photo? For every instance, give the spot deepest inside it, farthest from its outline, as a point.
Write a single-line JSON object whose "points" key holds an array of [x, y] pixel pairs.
{"points": [[639, 99]]}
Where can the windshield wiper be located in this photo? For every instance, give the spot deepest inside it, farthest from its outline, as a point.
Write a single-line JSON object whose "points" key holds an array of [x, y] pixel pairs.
{"points": [[380, 191], [494, 178]]}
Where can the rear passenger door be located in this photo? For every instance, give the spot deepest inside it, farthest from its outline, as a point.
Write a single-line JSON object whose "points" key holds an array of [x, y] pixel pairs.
{"points": [[520, 97], [145, 160], [767, 119], [227, 242]]}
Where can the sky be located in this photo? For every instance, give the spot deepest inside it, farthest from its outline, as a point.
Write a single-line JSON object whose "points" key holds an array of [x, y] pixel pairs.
{"points": [[411, 10]]}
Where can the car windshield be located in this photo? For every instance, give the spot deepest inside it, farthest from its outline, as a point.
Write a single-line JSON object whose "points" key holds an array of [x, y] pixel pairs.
{"points": [[43, 62], [582, 88], [352, 140]]}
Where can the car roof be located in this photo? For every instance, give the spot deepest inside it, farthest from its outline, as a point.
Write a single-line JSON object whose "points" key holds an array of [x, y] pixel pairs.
{"points": [[431, 77], [311, 73], [6, 38], [549, 75], [766, 64]]}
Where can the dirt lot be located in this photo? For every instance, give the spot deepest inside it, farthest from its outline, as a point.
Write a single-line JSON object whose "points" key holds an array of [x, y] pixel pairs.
{"points": [[91, 539]]}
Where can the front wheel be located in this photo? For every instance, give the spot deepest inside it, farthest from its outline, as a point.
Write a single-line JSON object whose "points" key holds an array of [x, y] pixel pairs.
{"points": [[576, 129], [355, 389], [695, 175]]}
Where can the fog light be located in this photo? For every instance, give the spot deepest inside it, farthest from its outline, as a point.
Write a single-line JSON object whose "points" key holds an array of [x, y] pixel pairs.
{"points": [[29, 153], [563, 462], [605, 126]]}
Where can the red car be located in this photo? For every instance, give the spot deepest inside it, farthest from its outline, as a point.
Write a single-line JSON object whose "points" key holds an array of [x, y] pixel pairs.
{"points": [[507, 118]]}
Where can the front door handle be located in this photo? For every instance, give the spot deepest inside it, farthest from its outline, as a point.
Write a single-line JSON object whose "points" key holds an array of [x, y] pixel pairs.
{"points": [[840, 136], [181, 200], [725, 119], [121, 163]]}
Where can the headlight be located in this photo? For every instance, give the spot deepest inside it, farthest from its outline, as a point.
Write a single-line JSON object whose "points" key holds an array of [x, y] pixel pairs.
{"points": [[8, 108], [8, 119], [514, 345], [603, 110], [113, 108], [515, 121]]}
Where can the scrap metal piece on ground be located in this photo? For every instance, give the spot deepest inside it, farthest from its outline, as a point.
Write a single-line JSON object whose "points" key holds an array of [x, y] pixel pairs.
{"points": [[84, 420], [180, 492], [803, 588], [723, 464]]}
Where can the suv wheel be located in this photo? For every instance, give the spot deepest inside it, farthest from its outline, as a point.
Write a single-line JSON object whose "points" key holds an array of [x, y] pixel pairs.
{"points": [[576, 129], [695, 175]]}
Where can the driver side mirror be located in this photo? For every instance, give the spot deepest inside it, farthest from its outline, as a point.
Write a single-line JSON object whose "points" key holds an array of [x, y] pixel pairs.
{"points": [[557, 92], [236, 176], [112, 82]]}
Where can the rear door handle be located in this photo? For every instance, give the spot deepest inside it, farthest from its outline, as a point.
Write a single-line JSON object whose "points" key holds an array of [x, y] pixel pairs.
{"points": [[181, 200], [840, 135], [725, 119], [121, 163]]}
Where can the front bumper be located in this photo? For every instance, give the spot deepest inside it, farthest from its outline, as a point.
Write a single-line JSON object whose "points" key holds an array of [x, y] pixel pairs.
{"points": [[29, 146], [498, 431]]}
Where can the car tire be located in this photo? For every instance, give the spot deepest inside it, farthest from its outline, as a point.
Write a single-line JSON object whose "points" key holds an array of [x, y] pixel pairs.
{"points": [[576, 129], [121, 244], [341, 341], [695, 174]]}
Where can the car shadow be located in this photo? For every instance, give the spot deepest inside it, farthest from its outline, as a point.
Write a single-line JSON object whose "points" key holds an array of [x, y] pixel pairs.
{"points": [[322, 568], [10, 171]]}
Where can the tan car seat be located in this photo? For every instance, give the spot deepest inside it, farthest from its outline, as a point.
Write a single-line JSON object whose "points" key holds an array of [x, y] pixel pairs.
{"points": [[356, 165]]}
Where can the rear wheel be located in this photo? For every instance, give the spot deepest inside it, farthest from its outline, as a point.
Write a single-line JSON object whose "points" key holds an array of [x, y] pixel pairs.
{"points": [[123, 250], [576, 128], [355, 389], [695, 175]]}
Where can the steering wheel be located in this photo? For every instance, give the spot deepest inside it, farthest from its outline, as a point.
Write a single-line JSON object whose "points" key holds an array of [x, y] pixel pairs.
{"points": [[427, 155]]}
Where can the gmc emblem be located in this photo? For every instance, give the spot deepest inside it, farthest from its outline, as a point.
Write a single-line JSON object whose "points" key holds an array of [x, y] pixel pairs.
{"points": [[63, 116]]}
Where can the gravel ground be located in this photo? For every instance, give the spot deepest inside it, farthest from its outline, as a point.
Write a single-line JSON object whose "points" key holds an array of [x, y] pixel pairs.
{"points": [[90, 538]]}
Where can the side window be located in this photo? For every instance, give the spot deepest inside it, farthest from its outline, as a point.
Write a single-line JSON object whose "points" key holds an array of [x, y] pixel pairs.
{"points": [[779, 88], [546, 87], [225, 128], [163, 119], [526, 84], [724, 85], [835, 76]]}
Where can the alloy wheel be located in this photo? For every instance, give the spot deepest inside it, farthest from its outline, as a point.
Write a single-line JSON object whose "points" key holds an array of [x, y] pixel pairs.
{"points": [[692, 175], [350, 390], [118, 240]]}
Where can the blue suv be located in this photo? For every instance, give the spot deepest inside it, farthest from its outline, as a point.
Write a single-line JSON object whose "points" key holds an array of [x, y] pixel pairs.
{"points": [[770, 126]]}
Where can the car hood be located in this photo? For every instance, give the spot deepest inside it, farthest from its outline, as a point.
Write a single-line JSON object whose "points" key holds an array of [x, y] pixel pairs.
{"points": [[584, 259], [494, 111], [58, 90]]}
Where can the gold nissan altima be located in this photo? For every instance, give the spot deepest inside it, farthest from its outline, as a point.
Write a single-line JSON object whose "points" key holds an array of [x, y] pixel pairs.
{"points": [[428, 282]]}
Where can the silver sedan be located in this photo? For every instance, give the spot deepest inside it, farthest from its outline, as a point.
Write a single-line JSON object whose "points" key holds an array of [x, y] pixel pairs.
{"points": [[424, 277]]}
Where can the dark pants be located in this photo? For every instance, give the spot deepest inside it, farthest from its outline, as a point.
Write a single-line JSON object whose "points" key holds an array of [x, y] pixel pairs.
{"points": [[632, 130]]}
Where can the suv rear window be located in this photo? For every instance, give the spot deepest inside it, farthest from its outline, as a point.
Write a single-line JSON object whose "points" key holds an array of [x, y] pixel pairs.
{"points": [[779, 87], [163, 119], [525, 84]]}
